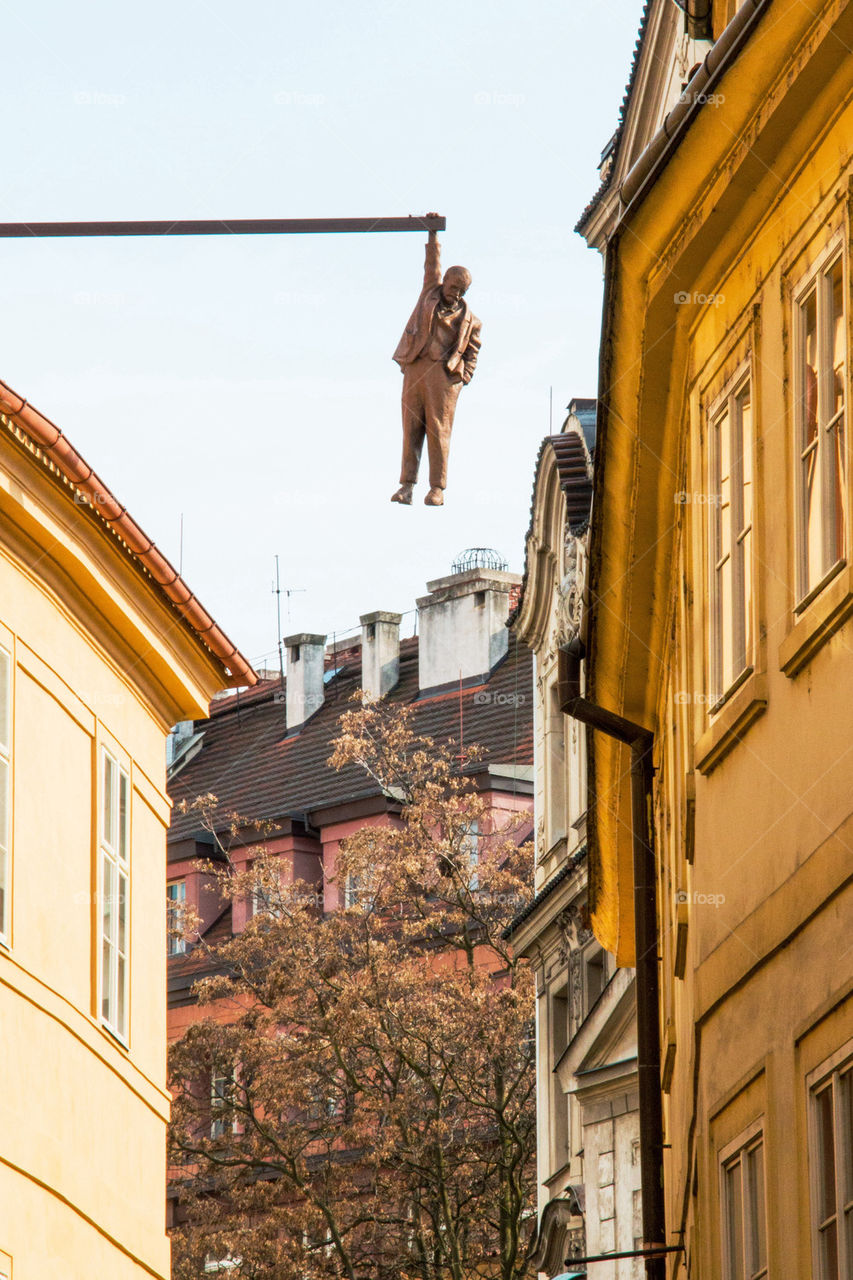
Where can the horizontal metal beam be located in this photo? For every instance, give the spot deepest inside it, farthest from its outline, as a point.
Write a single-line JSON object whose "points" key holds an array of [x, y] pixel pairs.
{"points": [[657, 1252], [220, 227]]}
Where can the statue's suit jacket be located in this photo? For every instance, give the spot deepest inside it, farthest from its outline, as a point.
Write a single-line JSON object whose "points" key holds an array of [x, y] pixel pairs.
{"points": [[416, 335]]}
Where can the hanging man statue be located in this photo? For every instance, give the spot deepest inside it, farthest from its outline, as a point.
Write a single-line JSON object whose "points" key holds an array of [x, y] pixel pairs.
{"points": [[437, 353]]}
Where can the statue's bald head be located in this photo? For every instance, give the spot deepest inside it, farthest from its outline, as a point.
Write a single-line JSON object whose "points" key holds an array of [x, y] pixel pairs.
{"points": [[457, 281]]}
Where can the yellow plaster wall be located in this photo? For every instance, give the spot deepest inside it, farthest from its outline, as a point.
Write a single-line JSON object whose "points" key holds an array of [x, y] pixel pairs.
{"points": [[82, 1117]]}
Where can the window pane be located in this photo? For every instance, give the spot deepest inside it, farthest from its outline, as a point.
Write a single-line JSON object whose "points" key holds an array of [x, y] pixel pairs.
{"points": [[724, 491], [734, 1223], [838, 343], [4, 804], [825, 1154], [108, 814], [121, 908], [108, 890], [808, 369], [743, 618], [812, 549], [846, 1100], [123, 814], [756, 1243], [726, 604], [121, 996], [106, 978], [5, 699], [829, 1253]]}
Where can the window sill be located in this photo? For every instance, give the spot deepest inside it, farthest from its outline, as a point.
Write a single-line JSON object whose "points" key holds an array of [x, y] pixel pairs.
{"points": [[731, 722], [818, 621]]}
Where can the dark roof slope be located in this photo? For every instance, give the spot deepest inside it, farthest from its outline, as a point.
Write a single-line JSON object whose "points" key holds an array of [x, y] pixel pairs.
{"points": [[254, 769]]}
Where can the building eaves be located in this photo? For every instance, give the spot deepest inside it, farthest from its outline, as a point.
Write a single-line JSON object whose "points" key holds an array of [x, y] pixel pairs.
{"points": [[49, 441], [556, 880]]}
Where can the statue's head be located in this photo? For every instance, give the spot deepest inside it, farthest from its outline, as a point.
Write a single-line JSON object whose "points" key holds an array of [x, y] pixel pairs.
{"points": [[456, 283]]}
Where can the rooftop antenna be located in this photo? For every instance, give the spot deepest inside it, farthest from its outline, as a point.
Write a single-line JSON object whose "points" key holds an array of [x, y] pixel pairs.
{"points": [[277, 592]]}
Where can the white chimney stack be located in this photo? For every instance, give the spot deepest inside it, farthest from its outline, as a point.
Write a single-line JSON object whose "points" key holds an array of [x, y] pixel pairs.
{"points": [[305, 667], [380, 652], [463, 626]]}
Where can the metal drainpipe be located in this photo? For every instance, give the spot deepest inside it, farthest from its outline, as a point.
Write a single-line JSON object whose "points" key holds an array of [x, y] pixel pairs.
{"points": [[641, 742]]}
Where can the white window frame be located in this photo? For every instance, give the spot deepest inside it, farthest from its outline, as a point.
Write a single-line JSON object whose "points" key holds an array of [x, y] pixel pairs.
{"points": [[222, 1084], [175, 907], [816, 279], [113, 896], [732, 1154], [356, 894], [741, 625], [6, 723], [828, 1075]]}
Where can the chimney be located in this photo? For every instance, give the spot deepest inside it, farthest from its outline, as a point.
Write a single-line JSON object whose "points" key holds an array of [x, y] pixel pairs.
{"points": [[380, 652], [463, 625], [305, 666]]}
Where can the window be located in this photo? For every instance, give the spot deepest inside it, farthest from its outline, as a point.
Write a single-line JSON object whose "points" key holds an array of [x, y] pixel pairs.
{"points": [[228, 1263], [555, 766], [472, 852], [744, 1226], [114, 858], [730, 509], [5, 786], [596, 975], [176, 894], [358, 891], [831, 1102], [820, 348], [221, 1091]]}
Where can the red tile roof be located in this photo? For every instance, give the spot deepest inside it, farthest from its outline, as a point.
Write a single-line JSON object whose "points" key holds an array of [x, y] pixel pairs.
{"points": [[249, 763]]}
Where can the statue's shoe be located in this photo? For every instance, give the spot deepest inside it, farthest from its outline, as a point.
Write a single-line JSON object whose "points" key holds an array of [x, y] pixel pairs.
{"points": [[403, 494], [435, 498]]}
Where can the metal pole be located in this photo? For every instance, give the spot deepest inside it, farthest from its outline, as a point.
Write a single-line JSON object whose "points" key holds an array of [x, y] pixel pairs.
{"points": [[220, 227]]}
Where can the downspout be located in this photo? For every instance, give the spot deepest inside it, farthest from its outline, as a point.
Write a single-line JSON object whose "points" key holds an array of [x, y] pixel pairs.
{"points": [[641, 742]]}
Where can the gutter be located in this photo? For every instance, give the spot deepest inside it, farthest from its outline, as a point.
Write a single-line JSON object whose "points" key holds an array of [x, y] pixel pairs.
{"points": [[645, 173], [641, 742], [59, 450]]}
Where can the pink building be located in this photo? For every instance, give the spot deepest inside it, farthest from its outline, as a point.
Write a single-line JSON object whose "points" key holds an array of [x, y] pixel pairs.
{"points": [[264, 752]]}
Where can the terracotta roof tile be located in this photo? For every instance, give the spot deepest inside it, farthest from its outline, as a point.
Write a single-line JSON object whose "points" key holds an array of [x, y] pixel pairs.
{"points": [[247, 760]]}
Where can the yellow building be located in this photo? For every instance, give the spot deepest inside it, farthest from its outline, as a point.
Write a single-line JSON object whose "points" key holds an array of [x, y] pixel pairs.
{"points": [[102, 648], [720, 603]]}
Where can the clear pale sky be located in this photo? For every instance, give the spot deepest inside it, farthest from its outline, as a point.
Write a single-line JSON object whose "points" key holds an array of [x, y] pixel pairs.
{"points": [[247, 382]]}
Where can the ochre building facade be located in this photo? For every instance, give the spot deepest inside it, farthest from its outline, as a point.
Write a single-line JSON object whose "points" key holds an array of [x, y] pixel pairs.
{"points": [[720, 599], [97, 660]]}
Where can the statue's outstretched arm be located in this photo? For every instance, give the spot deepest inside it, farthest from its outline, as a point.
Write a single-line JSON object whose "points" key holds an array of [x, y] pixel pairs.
{"points": [[432, 264]]}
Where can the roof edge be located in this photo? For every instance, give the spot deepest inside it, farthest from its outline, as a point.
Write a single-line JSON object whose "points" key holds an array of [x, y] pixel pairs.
{"points": [[59, 450]]}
